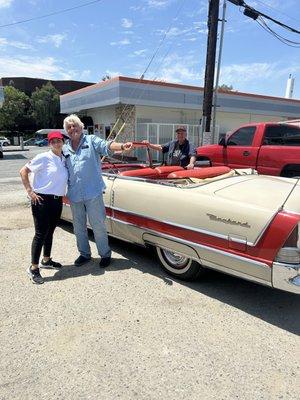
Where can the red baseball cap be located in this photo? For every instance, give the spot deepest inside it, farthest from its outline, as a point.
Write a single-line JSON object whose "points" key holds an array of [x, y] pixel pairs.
{"points": [[54, 135]]}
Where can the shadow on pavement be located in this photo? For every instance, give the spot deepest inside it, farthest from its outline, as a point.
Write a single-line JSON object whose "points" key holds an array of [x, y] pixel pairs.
{"points": [[14, 157], [270, 305]]}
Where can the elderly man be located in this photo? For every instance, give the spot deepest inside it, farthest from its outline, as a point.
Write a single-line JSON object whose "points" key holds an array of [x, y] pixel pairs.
{"points": [[179, 152], [86, 186]]}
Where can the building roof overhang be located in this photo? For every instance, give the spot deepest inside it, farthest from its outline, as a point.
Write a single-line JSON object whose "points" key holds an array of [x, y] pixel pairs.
{"points": [[125, 90]]}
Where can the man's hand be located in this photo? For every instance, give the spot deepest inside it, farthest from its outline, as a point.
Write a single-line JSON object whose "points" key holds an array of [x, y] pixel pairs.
{"points": [[190, 166], [146, 142], [127, 146]]}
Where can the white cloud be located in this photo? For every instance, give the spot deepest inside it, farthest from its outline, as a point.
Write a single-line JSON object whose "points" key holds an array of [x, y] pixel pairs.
{"points": [[19, 45], [126, 23], [140, 52], [123, 42], [250, 77], [180, 69], [36, 67], [136, 8], [157, 3], [112, 74], [179, 73], [244, 73], [56, 39], [85, 74], [5, 3], [176, 31]]}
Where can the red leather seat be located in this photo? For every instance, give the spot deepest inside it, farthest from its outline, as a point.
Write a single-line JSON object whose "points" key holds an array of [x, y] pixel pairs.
{"points": [[150, 173], [165, 170], [200, 173]]}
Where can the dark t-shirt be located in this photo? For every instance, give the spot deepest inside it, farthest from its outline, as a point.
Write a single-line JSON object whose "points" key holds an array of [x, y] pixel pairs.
{"points": [[179, 154]]}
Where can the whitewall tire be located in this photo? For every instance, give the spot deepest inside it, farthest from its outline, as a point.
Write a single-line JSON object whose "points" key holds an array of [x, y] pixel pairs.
{"points": [[178, 265]]}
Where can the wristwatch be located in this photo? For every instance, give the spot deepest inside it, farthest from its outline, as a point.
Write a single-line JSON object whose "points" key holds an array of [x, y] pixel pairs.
{"points": [[122, 147]]}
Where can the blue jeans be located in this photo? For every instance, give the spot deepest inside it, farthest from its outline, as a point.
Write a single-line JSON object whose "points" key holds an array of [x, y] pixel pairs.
{"points": [[95, 211]]}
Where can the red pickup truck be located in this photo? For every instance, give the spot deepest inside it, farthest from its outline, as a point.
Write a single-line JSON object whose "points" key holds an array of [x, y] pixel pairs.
{"points": [[272, 148]]}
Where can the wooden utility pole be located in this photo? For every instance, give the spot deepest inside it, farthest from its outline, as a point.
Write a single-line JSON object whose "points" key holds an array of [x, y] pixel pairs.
{"points": [[212, 24]]}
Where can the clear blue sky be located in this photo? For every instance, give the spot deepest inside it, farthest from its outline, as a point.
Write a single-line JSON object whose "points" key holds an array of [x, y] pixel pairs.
{"points": [[118, 37]]}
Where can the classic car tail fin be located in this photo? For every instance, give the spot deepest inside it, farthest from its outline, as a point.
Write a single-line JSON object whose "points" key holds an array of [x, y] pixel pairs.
{"points": [[290, 251]]}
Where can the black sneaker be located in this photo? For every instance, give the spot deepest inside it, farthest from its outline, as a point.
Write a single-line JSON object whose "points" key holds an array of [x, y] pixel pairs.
{"points": [[104, 262], [35, 276], [81, 260], [50, 264]]}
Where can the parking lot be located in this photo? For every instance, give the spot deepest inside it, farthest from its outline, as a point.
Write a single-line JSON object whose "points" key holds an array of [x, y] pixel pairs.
{"points": [[130, 331]]}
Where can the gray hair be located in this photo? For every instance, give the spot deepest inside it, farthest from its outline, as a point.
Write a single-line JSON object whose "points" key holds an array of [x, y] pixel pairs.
{"points": [[73, 119]]}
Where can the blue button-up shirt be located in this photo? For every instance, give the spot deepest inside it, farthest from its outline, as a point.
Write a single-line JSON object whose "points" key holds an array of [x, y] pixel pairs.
{"points": [[85, 180]]}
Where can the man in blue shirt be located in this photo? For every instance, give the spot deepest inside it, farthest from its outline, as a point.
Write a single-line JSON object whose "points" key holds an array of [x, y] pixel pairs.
{"points": [[86, 186], [179, 152]]}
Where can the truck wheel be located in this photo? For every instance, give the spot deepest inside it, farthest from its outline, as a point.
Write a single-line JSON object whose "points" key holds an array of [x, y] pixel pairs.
{"points": [[178, 265], [291, 171]]}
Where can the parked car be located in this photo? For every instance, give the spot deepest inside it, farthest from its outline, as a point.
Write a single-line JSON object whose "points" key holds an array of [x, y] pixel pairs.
{"points": [[234, 221], [4, 141], [271, 148], [1, 151], [42, 133], [41, 142], [30, 142]]}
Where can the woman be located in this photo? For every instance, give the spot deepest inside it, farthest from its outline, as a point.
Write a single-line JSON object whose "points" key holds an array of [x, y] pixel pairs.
{"points": [[48, 187]]}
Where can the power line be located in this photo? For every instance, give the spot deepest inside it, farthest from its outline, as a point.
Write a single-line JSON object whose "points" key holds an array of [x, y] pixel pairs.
{"points": [[254, 14], [282, 39], [163, 39], [279, 11], [50, 14], [124, 117]]}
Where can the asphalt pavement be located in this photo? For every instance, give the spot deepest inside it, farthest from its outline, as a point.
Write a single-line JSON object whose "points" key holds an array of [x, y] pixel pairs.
{"points": [[131, 331]]}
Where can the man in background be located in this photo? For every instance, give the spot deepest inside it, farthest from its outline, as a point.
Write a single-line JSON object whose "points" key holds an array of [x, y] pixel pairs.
{"points": [[179, 151]]}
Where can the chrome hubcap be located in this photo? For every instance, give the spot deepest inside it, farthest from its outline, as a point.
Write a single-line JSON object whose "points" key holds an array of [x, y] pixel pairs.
{"points": [[177, 260]]}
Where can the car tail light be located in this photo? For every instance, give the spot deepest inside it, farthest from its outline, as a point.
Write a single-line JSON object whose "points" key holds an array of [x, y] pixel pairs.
{"points": [[290, 252]]}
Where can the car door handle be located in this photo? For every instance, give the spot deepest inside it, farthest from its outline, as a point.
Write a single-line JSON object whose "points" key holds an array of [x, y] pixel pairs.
{"points": [[246, 153]]}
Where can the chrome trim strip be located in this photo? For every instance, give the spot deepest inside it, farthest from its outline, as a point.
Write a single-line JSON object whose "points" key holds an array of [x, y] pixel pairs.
{"points": [[236, 273], [205, 262], [206, 232], [187, 242]]}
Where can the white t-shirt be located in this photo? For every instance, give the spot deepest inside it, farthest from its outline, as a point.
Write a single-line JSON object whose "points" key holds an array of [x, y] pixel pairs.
{"points": [[50, 175]]}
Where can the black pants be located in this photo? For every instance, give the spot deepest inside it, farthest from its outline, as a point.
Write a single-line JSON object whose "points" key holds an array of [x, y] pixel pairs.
{"points": [[45, 216]]}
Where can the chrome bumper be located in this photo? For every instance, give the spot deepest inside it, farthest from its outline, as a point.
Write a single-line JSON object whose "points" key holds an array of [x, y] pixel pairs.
{"points": [[286, 277]]}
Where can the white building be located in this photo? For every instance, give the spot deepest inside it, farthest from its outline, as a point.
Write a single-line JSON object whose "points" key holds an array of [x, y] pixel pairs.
{"points": [[152, 110]]}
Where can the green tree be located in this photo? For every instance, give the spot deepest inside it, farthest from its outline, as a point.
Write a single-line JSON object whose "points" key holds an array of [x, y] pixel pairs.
{"points": [[14, 110], [45, 106], [226, 88]]}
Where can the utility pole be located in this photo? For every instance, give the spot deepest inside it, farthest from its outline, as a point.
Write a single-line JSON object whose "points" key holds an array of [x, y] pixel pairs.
{"points": [[215, 101], [212, 24]]}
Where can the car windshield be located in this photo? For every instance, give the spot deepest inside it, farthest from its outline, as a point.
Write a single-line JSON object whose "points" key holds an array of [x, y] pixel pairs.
{"points": [[132, 167]]}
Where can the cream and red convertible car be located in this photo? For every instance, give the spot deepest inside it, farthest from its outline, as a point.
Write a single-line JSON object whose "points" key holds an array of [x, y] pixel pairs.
{"points": [[233, 221]]}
